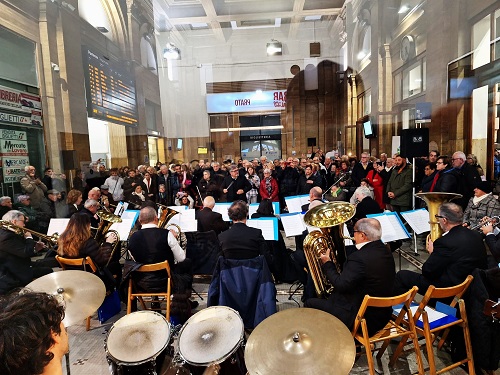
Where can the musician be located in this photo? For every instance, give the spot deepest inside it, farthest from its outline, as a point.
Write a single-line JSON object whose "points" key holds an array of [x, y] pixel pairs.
{"points": [[452, 257], [209, 220], [235, 186], [90, 208], [315, 199], [369, 270], [73, 201], [34, 339], [241, 241], [77, 242], [482, 204], [16, 267], [492, 241], [150, 245]]}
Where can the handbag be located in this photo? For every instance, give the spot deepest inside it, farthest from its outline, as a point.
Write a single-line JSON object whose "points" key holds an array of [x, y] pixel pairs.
{"points": [[110, 307]]}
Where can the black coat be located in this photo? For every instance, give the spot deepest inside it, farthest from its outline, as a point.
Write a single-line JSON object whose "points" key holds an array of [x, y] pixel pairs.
{"points": [[468, 177], [287, 179], [209, 220], [303, 187], [242, 242], [358, 173], [366, 207], [370, 270], [233, 186], [455, 256], [15, 260], [447, 182]]}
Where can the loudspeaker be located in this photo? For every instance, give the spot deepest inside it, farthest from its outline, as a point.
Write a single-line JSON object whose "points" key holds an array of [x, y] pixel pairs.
{"points": [[311, 142], [315, 49], [212, 146], [414, 142], [70, 160]]}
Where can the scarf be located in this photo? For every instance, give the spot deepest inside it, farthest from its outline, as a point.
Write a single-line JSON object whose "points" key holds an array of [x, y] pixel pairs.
{"points": [[476, 200], [269, 187], [141, 195]]}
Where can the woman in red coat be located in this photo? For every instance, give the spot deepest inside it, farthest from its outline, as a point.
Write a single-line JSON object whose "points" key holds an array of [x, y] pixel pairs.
{"points": [[269, 187], [377, 183]]}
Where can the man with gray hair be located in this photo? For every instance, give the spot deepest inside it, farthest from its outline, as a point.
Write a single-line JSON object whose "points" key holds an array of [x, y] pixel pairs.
{"points": [[452, 257], [16, 268], [366, 204], [33, 186], [235, 186], [369, 270], [468, 178]]}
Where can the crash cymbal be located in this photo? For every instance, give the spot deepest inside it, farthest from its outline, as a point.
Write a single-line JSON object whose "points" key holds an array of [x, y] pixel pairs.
{"points": [[82, 292], [300, 341]]}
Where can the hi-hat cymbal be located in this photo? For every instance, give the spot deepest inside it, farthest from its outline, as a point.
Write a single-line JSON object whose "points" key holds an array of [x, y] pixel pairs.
{"points": [[82, 292], [300, 341]]}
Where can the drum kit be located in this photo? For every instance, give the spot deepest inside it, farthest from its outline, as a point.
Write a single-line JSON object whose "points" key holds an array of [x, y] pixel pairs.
{"points": [[212, 341]]}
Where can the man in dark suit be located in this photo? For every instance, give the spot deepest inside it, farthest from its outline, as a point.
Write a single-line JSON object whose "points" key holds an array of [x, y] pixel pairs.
{"points": [[241, 241], [16, 250], [235, 186], [369, 270], [452, 257], [209, 220]]}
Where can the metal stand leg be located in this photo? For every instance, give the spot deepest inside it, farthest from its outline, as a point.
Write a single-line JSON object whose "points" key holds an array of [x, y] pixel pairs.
{"points": [[298, 286], [68, 370], [415, 241]]}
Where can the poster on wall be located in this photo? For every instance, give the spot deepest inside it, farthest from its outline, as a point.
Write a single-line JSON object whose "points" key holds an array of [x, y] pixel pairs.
{"points": [[20, 101], [14, 153]]}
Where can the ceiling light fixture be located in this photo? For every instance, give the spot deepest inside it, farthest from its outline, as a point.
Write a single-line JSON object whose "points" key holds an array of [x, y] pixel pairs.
{"points": [[171, 52], [102, 29], [403, 9], [274, 48]]}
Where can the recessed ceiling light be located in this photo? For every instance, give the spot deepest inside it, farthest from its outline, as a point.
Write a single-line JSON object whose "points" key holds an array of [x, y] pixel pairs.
{"points": [[199, 25], [102, 29], [312, 18]]}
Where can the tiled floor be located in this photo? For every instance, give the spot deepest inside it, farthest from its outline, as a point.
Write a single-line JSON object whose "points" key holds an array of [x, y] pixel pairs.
{"points": [[88, 356]]}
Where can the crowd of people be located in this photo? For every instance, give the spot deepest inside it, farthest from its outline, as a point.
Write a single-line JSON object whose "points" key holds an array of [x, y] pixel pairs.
{"points": [[373, 184]]}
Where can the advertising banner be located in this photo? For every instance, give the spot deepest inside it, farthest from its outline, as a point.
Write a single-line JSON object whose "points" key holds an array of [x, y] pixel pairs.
{"points": [[20, 101], [14, 151], [246, 101], [13, 168]]}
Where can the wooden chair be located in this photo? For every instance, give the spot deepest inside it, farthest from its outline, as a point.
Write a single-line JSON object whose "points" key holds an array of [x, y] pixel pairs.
{"points": [[393, 329], [431, 329], [134, 293], [81, 263]]}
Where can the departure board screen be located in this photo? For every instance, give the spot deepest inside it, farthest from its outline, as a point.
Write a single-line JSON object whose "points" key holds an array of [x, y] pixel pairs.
{"points": [[110, 89]]}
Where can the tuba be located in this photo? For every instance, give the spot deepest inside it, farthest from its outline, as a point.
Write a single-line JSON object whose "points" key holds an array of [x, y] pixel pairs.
{"points": [[107, 219], [433, 201], [329, 218], [165, 214]]}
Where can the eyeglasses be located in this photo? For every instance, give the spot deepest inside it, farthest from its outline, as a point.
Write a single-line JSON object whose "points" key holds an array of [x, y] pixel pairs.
{"points": [[439, 162], [439, 216], [359, 231], [455, 159], [427, 169]]}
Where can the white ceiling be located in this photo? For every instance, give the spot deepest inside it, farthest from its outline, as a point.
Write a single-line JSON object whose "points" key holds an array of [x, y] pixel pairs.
{"points": [[215, 16]]}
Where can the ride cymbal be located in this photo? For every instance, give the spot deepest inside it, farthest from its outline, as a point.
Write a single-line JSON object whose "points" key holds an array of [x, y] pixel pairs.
{"points": [[300, 341], [82, 292]]}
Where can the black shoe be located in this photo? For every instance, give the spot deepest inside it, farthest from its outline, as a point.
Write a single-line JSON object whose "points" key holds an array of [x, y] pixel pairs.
{"points": [[194, 304]]}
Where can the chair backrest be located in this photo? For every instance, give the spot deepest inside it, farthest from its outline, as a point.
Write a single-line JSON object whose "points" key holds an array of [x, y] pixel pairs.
{"points": [[369, 301], [76, 262], [155, 267], [456, 291]]}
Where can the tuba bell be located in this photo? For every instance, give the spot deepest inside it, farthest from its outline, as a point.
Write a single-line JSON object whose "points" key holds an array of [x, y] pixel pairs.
{"points": [[165, 214], [329, 218], [433, 201], [107, 219]]}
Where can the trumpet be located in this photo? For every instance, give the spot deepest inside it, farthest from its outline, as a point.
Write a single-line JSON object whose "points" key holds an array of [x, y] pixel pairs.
{"points": [[495, 220], [52, 240]]}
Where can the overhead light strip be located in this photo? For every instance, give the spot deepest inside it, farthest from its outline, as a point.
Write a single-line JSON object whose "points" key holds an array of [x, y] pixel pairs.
{"points": [[270, 127]]}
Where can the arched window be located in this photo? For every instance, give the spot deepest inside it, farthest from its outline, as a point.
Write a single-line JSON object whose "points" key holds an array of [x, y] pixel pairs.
{"points": [[148, 57], [94, 13]]}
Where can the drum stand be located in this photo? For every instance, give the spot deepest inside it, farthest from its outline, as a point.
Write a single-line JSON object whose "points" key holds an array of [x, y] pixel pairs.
{"points": [[68, 369], [298, 286]]}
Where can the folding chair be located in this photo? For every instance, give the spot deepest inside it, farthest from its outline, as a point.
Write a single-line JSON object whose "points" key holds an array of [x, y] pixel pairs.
{"points": [[78, 263], [393, 329], [133, 291], [430, 322]]}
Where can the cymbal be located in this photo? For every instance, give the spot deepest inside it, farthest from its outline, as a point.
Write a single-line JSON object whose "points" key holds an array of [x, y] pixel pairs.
{"points": [[300, 341], [82, 292]]}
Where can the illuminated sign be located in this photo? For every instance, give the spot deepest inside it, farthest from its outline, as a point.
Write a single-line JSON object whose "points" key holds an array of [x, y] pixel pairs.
{"points": [[246, 101], [110, 89]]}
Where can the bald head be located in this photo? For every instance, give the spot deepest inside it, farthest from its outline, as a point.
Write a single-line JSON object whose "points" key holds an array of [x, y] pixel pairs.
{"points": [[209, 202], [315, 193]]}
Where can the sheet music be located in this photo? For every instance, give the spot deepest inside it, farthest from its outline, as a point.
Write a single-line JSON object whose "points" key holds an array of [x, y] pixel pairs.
{"points": [[418, 220], [186, 223], [123, 228], [188, 214], [222, 209], [293, 224], [252, 208], [178, 208], [131, 214], [57, 226], [296, 202], [268, 226], [346, 234], [120, 208], [392, 227]]}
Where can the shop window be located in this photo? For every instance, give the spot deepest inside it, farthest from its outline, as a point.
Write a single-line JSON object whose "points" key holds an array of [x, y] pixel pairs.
{"points": [[19, 64], [412, 81]]}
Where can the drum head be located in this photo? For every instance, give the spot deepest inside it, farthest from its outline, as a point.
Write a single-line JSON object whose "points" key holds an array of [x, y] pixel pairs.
{"points": [[138, 337], [210, 336]]}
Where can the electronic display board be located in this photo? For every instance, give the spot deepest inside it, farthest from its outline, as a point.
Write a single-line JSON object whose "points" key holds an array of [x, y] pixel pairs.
{"points": [[110, 89]]}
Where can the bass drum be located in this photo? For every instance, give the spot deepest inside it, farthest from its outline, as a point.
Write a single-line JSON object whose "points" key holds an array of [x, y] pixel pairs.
{"points": [[211, 337], [136, 342]]}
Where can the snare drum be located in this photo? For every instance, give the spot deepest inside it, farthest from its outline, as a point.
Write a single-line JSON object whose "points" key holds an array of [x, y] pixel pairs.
{"points": [[211, 336], [135, 341]]}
